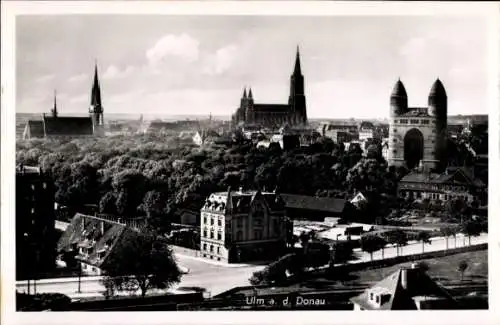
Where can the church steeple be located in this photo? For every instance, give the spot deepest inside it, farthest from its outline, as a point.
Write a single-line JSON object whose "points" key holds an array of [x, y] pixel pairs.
{"points": [[245, 93], [54, 109], [250, 96], [95, 99], [296, 70]]}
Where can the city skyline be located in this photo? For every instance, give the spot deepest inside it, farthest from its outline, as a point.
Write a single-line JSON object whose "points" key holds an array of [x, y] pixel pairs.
{"points": [[168, 66]]}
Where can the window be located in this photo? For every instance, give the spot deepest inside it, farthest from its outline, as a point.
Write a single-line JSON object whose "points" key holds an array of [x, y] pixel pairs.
{"points": [[394, 140], [212, 221], [211, 248], [395, 130], [211, 234], [219, 235], [219, 223], [205, 220], [403, 121], [205, 233], [218, 249], [413, 121], [33, 187], [44, 185], [377, 299], [424, 122], [371, 295], [394, 151], [32, 210]]}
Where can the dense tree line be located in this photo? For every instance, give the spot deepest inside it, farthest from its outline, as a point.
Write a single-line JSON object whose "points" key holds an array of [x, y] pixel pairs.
{"points": [[152, 176]]}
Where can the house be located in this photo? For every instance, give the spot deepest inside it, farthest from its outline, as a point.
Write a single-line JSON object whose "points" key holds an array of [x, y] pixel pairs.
{"points": [[342, 132], [358, 199], [315, 208], [238, 226], [366, 131], [455, 182], [203, 137], [409, 288], [94, 240]]}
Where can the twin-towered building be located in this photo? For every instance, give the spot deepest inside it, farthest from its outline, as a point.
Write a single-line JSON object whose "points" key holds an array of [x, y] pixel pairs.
{"points": [[56, 126], [417, 135]]}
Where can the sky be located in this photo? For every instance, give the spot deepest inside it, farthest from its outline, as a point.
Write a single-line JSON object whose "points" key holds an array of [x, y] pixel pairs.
{"points": [[197, 65]]}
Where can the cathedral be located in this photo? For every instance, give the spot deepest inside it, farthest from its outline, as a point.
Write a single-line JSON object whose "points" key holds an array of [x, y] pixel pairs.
{"points": [[417, 135], [275, 115], [53, 125]]}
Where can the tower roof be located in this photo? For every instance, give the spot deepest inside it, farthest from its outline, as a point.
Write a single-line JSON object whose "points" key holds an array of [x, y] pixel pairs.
{"points": [[54, 109], [399, 89], [95, 99], [437, 89], [250, 93], [297, 70], [245, 92]]}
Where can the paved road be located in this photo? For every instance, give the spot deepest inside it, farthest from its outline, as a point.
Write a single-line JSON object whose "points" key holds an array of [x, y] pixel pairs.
{"points": [[217, 278]]}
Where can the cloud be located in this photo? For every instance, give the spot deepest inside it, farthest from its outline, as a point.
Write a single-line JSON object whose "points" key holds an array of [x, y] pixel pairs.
{"points": [[45, 78], [113, 72], [181, 46], [221, 61], [78, 78]]}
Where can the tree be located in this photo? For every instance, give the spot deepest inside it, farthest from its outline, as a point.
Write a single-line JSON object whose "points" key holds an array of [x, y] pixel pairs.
{"points": [[424, 238], [471, 228], [446, 232], [141, 261], [342, 252], [371, 244], [399, 238], [462, 266]]}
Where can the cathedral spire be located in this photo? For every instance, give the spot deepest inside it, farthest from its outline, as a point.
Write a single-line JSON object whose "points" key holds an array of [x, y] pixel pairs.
{"points": [[250, 96], [297, 70], [54, 109], [95, 100], [245, 92]]}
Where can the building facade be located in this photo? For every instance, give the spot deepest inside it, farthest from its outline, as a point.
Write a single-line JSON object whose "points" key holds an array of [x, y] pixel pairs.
{"points": [[275, 115], [55, 126], [239, 226], [418, 135], [35, 223], [454, 183]]}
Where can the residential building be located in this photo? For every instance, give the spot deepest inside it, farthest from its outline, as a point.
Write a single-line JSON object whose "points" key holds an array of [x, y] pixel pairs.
{"points": [[339, 132], [203, 137], [455, 182], [35, 222], [366, 131], [409, 288], [418, 134], [238, 226], [275, 115], [56, 126], [358, 200], [94, 240]]}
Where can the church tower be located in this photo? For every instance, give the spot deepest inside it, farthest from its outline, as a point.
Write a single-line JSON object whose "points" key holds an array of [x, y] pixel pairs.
{"points": [[96, 110], [54, 109], [297, 99]]}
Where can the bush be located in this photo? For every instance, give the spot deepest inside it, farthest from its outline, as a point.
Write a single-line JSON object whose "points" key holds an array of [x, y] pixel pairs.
{"points": [[41, 302]]}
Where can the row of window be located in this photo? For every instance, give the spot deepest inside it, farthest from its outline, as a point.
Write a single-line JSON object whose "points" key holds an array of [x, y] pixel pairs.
{"points": [[206, 220], [211, 248], [435, 196], [211, 234], [412, 121]]}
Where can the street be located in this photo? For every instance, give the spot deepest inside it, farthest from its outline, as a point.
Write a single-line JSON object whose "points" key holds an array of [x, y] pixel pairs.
{"points": [[217, 278]]}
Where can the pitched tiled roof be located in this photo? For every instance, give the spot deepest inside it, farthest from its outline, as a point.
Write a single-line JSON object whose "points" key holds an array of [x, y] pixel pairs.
{"points": [[455, 175], [323, 204], [68, 125], [401, 291], [99, 235]]}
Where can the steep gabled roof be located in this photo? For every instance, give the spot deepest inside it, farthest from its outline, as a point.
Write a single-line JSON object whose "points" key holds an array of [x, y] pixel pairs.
{"points": [[403, 290], [97, 234], [64, 125], [455, 175], [34, 129]]}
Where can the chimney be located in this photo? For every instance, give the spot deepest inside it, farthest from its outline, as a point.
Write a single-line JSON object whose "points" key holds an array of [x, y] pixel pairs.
{"points": [[404, 279]]}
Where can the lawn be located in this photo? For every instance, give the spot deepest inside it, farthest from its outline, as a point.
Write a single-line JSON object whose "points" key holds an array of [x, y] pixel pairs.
{"points": [[442, 269]]}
